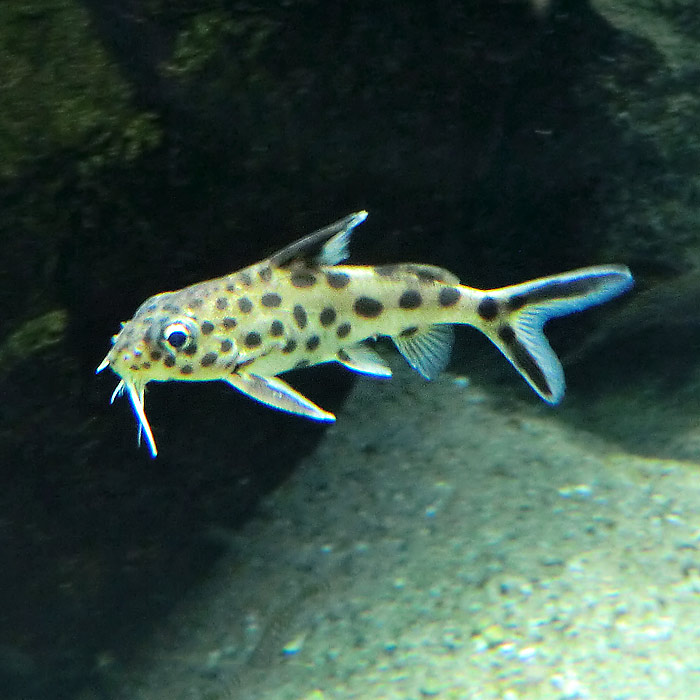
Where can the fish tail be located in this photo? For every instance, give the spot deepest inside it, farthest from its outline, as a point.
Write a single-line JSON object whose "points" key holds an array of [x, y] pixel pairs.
{"points": [[513, 318]]}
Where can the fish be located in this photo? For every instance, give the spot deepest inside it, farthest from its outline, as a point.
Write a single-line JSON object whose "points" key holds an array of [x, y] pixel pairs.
{"points": [[301, 307]]}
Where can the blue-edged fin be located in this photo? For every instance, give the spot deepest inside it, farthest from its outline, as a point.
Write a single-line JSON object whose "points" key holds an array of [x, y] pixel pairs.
{"points": [[278, 394], [426, 349], [513, 318], [327, 246], [365, 360]]}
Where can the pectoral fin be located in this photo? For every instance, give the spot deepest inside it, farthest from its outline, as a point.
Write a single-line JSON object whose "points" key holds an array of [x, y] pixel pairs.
{"points": [[278, 394]]}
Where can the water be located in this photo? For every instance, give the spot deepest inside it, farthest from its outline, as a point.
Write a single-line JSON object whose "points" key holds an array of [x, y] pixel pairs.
{"points": [[452, 539]]}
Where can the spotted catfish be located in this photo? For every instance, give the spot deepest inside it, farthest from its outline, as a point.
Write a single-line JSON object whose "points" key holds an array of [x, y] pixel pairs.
{"points": [[300, 308]]}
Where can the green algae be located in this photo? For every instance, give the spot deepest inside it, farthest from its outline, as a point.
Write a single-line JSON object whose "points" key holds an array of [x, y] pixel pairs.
{"points": [[61, 91], [33, 337], [208, 37]]}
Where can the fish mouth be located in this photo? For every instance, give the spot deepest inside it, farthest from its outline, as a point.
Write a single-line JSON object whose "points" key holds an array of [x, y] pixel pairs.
{"points": [[136, 396]]}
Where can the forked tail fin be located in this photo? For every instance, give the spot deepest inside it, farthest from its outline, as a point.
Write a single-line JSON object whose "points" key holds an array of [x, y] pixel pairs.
{"points": [[513, 318]]}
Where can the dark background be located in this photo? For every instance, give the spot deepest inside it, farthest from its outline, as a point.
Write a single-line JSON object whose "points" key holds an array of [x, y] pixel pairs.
{"points": [[148, 145]]}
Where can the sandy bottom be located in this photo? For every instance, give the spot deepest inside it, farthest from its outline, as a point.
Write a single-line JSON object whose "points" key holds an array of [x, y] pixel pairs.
{"points": [[442, 543]]}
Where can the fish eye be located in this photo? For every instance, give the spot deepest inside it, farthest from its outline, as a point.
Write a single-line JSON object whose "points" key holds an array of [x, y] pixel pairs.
{"points": [[176, 335]]}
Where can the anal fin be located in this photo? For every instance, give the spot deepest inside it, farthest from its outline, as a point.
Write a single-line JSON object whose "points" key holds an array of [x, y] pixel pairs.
{"points": [[278, 394], [361, 358], [426, 349]]}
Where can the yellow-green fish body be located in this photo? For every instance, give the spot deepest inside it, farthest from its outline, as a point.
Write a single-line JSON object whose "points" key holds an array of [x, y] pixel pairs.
{"points": [[300, 308]]}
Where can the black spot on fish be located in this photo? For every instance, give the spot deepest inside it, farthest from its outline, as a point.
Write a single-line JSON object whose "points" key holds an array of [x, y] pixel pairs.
{"points": [[245, 279], [271, 300], [523, 360], [226, 346], [221, 303], [245, 305], [195, 303], [276, 329], [303, 278], [209, 359], [301, 364], [291, 346], [169, 361], [343, 330], [230, 287], [426, 274], [171, 308], [265, 274], [448, 296], [191, 349], [410, 299], [488, 308], [253, 339], [207, 327], [327, 316], [186, 369], [146, 365], [134, 368], [368, 307], [558, 289], [506, 334], [156, 355], [228, 322], [516, 302], [300, 316], [386, 270], [408, 332], [342, 355], [312, 343], [337, 280]]}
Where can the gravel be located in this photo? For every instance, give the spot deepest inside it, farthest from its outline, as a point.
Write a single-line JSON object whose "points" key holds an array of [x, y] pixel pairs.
{"points": [[444, 542]]}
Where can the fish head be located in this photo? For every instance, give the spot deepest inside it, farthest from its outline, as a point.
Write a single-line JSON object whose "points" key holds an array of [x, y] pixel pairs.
{"points": [[166, 340], [170, 339], [146, 348]]}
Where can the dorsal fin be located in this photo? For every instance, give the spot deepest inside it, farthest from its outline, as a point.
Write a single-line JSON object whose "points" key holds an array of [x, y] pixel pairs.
{"points": [[327, 246]]}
